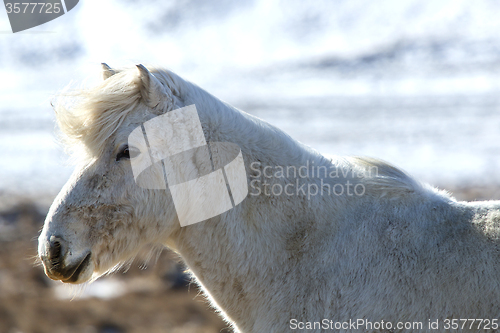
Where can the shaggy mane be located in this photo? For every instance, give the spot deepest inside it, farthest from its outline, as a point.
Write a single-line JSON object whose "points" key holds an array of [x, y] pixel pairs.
{"points": [[87, 117]]}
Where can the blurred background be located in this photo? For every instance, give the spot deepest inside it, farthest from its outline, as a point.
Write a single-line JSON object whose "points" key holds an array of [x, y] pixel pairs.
{"points": [[414, 82]]}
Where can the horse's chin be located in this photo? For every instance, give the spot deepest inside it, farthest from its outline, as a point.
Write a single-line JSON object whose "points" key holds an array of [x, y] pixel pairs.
{"points": [[83, 273]]}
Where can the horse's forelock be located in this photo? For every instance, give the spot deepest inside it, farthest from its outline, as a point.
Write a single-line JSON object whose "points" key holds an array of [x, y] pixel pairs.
{"points": [[87, 117]]}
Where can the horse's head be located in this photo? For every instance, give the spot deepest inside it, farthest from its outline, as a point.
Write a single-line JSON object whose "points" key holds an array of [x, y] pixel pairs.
{"points": [[101, 218]]}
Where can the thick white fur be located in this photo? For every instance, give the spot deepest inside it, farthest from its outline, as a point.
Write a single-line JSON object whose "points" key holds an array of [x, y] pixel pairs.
{"points": [[403, 251]]}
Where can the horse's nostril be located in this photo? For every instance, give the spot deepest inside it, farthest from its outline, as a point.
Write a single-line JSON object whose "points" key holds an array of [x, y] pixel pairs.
{"points": [[55, 250]]}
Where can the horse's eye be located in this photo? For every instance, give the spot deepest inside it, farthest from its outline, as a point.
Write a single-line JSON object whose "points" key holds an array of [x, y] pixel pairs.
{"points": [[128, 152], [124, 153]]}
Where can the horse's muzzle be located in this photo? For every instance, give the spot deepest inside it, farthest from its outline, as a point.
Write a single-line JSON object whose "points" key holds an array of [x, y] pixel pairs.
{"points": [[54, 257]]}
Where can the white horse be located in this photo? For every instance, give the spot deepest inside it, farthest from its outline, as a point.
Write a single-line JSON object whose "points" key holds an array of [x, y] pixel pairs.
{"points": [[348, 245]]}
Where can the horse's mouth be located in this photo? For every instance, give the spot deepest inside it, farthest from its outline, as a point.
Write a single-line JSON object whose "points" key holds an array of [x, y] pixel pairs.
{"points": [[75, 272], [69, 274]]}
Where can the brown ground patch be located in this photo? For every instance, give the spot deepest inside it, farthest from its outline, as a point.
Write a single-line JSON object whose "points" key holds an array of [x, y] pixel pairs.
{"points": [[157, 301]]}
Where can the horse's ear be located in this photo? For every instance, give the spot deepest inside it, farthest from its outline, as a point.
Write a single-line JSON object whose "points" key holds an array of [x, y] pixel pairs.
{"points": [[107, 71], [152, 91]]}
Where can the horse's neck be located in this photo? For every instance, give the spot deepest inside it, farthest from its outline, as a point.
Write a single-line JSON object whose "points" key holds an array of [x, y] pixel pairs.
{"points": [[235, 257], [239, 249]]}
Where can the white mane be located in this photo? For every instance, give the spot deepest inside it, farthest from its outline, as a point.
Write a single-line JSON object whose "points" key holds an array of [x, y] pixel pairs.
{"points": [[87, 117]]}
